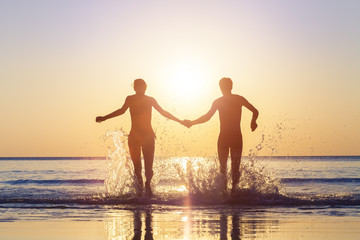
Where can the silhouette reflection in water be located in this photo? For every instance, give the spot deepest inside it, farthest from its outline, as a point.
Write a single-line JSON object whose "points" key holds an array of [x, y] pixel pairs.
{"points": [[138, 225], [179, 223], [235, 226]]}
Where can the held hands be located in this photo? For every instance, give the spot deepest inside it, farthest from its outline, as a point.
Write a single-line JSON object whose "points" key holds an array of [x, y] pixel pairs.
{"points": [[187, 123]]}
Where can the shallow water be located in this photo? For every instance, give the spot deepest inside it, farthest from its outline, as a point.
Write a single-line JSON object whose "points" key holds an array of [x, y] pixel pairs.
{"points": [[274, 194], [275, 181], [182, 222], [82, 184]]}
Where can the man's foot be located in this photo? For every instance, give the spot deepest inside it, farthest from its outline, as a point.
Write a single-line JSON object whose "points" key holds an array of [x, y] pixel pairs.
{"points": [[233, 191], [224, 193], [148, 192]]}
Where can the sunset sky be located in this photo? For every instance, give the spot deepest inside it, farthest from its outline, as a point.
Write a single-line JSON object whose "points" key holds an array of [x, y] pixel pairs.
{"points": [[63, 63]]}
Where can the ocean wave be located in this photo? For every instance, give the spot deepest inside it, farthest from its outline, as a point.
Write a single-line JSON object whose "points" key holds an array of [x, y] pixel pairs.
{"points": [[242, 198], [320, 180], [102, 181], [54, 182]]}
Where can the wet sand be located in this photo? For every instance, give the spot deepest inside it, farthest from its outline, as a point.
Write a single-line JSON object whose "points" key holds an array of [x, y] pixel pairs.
{"points": [[188, 224]]}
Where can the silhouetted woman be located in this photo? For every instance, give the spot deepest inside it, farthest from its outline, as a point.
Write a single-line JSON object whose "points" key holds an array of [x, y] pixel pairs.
{"points": [[142, 136]]}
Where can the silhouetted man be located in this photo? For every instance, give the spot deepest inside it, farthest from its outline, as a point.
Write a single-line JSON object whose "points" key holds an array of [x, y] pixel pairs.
{"points": [[230, 138], [142, 136]]}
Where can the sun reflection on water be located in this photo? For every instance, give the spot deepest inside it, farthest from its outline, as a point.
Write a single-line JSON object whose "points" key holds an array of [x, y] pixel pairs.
{"points": [[151, 222]]}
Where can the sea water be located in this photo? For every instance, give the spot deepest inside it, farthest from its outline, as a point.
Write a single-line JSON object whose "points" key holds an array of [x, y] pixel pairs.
{"points": [[188, 196]]}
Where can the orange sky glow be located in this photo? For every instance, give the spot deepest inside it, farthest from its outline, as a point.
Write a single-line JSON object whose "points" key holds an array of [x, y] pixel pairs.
{"points": [[64, 63]]}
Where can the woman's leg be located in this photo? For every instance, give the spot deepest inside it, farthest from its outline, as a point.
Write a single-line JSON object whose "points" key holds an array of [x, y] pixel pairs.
{"points": [[135, 153], [148, 149]]}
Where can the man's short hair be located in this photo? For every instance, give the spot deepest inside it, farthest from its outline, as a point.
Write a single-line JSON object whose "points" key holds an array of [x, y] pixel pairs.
{"points": [[139, 84], [226, 83]]}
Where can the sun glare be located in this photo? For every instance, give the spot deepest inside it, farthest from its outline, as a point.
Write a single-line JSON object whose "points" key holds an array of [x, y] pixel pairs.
{"points": [[185, 81]]}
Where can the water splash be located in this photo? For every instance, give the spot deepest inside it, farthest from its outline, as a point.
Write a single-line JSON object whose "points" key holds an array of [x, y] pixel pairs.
{"points": [[121, 181], [256, 179], [253, 153], [254, 176], [200, 176], [176, 178]]}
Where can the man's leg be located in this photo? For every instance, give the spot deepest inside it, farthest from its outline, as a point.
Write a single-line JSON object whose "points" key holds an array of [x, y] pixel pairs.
{"points": [[135, 153], [148, 153], [236, 152], [223, 153], [235, 167]]}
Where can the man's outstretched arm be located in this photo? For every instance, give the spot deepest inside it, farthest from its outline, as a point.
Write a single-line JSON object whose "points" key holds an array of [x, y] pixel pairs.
{"points": [[254, 116], [116, 113], [204, 118], [165, 113]]}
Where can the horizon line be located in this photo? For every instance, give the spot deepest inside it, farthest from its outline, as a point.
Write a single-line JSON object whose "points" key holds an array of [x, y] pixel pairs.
{"points": [[104, 157]]}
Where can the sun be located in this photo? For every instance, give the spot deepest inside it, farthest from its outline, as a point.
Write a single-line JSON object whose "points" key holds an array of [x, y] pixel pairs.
{"points": [[186, 81]]}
